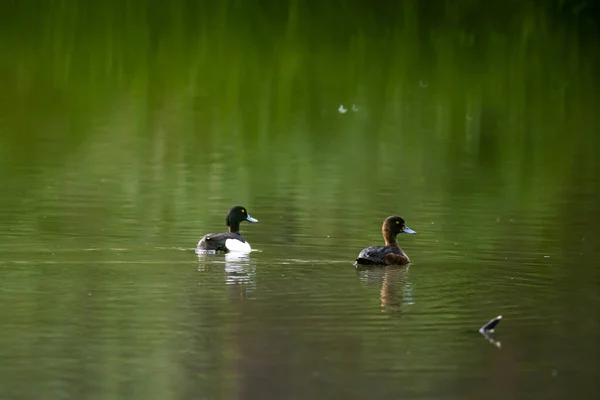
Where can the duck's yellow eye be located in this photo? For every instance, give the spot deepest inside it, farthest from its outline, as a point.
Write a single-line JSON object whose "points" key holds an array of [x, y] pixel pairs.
{"points": [[243, 210], [397, 222]]}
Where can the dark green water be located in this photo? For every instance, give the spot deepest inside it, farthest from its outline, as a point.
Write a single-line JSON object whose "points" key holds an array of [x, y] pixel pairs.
{"points": [[128, 130]]}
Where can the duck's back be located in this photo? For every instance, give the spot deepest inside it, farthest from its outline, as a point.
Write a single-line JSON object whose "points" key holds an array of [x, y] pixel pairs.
{"points": [[220, 242], [382, 255]]}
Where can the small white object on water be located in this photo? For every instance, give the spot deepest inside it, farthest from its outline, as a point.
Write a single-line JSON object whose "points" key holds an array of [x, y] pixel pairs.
{"points": [[546, 256], [342, 109], [489, 327], [202, 251]]}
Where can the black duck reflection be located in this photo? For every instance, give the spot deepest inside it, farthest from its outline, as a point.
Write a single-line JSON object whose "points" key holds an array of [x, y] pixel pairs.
{"points": [[240, 269]]}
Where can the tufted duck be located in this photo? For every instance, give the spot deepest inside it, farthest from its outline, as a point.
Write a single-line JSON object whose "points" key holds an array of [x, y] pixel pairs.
{"points": [[230, 241], [391, 253]]}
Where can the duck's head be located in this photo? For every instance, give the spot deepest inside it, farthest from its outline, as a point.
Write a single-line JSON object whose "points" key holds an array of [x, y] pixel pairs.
{"points": [[235, 216], [395, 225]]}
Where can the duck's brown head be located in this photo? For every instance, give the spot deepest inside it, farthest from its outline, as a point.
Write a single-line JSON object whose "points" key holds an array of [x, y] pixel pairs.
{"points": [[392, 226]]}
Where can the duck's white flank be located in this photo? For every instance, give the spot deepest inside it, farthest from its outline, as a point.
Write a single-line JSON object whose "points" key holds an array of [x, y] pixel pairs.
{"points": [[237, 245]]}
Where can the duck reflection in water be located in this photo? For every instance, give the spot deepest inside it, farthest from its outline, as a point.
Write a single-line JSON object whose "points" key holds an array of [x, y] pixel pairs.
{"points": [[395, 288], [240, 270]]}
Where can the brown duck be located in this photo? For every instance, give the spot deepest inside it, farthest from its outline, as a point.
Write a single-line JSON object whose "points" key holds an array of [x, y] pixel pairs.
{"points": [[391, 253]]}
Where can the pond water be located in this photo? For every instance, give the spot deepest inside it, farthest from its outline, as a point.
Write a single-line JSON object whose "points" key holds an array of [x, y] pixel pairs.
{"points": [[125, 137]]}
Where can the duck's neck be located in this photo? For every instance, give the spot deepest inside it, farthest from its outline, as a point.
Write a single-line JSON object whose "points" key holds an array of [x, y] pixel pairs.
{"points": [[234, 227], [389, 237]]}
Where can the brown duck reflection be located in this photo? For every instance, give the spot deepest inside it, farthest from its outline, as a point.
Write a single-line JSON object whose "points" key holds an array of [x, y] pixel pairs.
{"points": [[395, 288]]}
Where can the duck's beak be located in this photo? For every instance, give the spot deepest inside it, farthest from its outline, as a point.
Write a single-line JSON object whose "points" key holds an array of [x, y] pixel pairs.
{"points": [[250, 219], [406, 229]]}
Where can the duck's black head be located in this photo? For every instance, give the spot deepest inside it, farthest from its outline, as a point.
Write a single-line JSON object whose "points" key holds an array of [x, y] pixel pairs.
{"points": [[394, 225], [235, 216]]}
